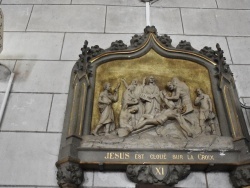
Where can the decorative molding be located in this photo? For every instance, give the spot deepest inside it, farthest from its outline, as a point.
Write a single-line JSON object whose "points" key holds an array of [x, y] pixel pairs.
{"points": [[222, 67], [82, 68], [69, 175], [118, 45], [165, 40], [137, 40], [157, 174], [209, 52], [240, 177], [185, 45], [92, 151]]}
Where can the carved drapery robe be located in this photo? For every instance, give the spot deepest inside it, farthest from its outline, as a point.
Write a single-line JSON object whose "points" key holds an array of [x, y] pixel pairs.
{"points": [[105, 107], [151, 96]]}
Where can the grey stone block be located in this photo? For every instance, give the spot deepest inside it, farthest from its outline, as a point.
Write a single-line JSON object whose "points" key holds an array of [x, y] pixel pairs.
{"points": [[216, 22], [5, 74], [125, 19], [185, 3], [218, 180], [36, 1], [240, 48], [28, 158], [1, 98], [43, 76], [166, 20], [132, 20], [242, 79], [57, 113], [110, 2], [22, 45], [199, 42], [195, 179], [112, 179], [27, 112], [74, 41], [232, 4], [88, 179], [16, 17], [67, 18]]}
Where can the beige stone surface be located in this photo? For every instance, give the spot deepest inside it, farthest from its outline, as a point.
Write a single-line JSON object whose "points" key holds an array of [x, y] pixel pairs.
{"points": [[43, 76], [194, 180], [216, 22], [32, 45], [67, 18], [110, 2], [16, 17], [57, 113], [36, 1], [132, 20], [239, 48], [167, 20], [103, 179], [74, 42], [219, 180], [242, 79], [185, 3], [27, 112], [5, 74], [232, 4], [28, 159]]}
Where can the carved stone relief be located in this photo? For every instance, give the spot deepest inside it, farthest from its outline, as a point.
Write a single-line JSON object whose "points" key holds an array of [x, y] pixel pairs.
{"points": [[240, 177], [154, 109], [157, 174], [146, 107], [69, 175]]}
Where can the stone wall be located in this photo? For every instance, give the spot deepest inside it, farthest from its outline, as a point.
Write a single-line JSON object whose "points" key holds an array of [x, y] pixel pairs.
{"points": [[42, 40]]}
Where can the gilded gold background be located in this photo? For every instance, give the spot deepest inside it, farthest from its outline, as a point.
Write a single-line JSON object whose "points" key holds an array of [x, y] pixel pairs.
{"points": [[163, 69]]}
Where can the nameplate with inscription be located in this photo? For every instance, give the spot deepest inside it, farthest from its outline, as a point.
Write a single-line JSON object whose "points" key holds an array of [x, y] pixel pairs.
{"points": [[157, 157]]}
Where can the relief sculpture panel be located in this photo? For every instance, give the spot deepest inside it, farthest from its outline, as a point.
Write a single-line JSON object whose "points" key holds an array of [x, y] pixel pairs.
{"points": [[152, 110], [153, 98]]}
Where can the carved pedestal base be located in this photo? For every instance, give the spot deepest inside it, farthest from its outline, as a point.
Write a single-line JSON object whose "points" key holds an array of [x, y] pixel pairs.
{"points": [[69, 175], [157, 174], [240, 177]]}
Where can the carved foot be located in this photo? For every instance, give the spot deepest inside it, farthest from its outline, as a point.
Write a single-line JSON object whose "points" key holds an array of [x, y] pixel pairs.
{"points": [[69, 175], [157, 174], [240, 177]]}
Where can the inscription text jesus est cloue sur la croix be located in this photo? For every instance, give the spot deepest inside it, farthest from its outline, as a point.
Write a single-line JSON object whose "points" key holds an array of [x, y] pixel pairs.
{"points": [[155, 156]]}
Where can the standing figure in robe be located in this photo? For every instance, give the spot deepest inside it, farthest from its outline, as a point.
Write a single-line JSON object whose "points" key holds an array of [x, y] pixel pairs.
{"points": [[180, 94], [105, 101], [206, 111], [151, 97]]}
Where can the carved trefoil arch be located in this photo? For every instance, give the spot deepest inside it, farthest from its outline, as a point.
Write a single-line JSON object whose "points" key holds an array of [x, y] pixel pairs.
{"points": [[152, 110]]}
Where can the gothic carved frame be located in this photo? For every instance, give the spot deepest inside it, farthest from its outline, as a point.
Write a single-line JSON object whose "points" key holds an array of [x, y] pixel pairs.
{"points": [[80, 104]]}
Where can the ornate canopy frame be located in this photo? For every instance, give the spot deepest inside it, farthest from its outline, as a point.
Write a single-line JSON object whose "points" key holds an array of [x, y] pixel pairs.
{"points": [[225, 149]]}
